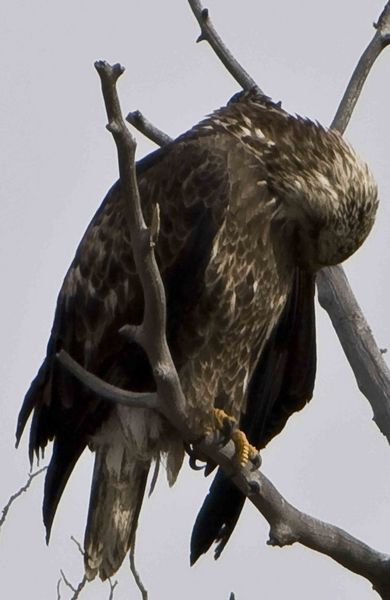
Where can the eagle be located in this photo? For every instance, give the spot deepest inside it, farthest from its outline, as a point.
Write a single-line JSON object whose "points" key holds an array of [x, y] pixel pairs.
{"points": [[253, 201]]}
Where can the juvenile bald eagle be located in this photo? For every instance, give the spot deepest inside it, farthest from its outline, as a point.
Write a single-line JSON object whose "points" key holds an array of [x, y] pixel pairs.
{"points": [[253, 201]]}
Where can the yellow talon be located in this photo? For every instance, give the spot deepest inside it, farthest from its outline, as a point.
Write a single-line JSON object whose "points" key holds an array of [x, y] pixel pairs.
{"points": [[244, 450], [223, 422]]}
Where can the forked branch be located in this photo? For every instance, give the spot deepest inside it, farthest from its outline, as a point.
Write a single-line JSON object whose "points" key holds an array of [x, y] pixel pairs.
{"points": [[17, 494], [140, 122]]}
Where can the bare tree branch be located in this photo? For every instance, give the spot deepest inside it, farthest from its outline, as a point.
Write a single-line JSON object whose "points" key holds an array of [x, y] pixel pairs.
{"points": [[151, 333], [140, 122], [106, 390], [76, 590], [79, 546], [21, 491], [112, 588], [289, 525], [371, 372], [380, 40], [136, 575], [209, 34]]}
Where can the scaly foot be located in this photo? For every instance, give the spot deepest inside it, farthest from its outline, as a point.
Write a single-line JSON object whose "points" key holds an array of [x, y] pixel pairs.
{"points": [[245, 452]]}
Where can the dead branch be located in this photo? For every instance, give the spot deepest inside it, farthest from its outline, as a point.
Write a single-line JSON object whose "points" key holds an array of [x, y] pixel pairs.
{"points": [[371, 371], [16, 495], [76, 590], [136, 575], [287, 524], [380, 40], [140, 122], [142, 239], [112, 588], [105, 389], [79, 546], [209, 34]]}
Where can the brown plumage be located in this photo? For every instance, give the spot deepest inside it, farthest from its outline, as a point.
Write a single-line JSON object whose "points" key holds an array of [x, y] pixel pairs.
{"points": [[252, 202]]}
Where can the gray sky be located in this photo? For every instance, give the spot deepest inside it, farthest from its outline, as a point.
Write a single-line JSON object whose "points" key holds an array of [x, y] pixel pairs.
{"points": [[57, 162]]}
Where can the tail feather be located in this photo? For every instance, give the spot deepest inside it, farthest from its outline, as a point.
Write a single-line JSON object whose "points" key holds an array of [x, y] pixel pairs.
{"points": [[118, 488], [217, 518]]}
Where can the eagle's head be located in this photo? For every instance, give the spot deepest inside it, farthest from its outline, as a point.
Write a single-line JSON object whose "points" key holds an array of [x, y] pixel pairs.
{"points": [[328, 197]]}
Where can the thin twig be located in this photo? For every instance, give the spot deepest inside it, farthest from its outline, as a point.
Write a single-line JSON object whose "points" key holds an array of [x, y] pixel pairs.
{"points": [[112, 588], [140, 122], [133, 569], [209, 34], [70, 586], [21, 491], [58, 588], [79, 546], [76, 590], [380, 40]]}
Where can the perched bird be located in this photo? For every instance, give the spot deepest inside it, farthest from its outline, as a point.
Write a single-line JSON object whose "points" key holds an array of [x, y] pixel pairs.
{"points": [[253, 201]]}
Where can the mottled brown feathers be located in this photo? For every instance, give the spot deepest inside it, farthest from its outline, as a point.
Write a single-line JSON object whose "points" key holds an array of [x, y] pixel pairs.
{"points": [[252, 202]]}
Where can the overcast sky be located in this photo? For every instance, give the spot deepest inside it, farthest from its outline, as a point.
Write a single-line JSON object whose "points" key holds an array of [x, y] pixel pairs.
{"points": [[57, 161]]}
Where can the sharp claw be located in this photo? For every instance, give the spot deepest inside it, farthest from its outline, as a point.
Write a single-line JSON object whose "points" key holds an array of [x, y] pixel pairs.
{"points": [[193, 463], [193, 458]]}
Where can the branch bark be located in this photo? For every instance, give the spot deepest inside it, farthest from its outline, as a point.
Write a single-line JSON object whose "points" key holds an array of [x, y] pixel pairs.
{"points": [[136, 575], [209, 34], [140, 122]]}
